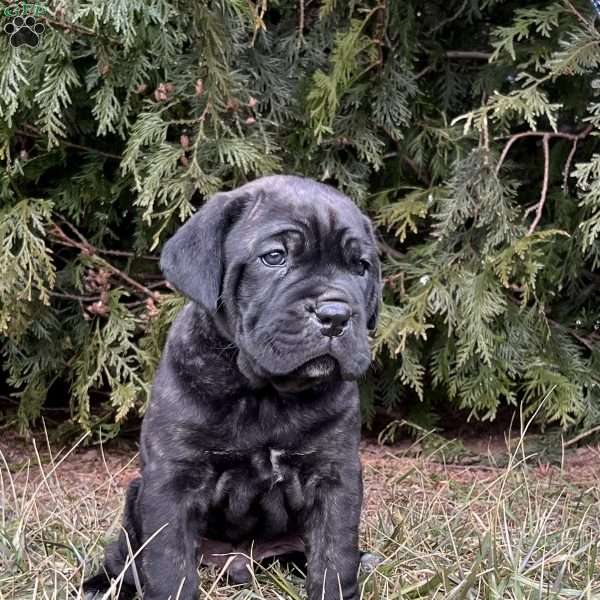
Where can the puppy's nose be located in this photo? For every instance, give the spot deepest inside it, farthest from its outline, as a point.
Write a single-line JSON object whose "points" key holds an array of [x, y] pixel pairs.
{"points": [[334, 317]]}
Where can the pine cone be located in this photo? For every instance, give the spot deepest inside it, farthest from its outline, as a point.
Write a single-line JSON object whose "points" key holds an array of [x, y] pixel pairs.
{"points": [[233, 104], [163, 92]]}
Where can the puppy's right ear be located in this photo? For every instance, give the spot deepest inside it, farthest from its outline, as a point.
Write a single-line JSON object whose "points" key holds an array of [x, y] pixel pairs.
{"points": [[192, 260]]}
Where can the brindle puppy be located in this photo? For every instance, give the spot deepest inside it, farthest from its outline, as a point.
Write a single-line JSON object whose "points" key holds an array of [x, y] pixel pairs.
{"points": [[250, 441]]}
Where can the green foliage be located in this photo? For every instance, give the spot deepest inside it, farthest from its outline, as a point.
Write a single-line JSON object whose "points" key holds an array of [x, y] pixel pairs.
{"points": [[129, 114], [324, 98], [27, 272], [588, 175], [109, 356]]}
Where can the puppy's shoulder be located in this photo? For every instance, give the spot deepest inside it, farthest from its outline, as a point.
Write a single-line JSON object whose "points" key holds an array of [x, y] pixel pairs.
{"points": [[190, 328]]}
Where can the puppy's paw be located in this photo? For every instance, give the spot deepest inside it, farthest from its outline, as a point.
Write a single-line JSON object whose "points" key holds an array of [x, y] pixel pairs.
{"points": [[369, 562], [239, 571], [96, 587]]}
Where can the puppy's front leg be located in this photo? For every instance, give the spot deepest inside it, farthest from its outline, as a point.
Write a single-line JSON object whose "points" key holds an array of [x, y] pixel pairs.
{"points": [[169, 560], [331, 536]]}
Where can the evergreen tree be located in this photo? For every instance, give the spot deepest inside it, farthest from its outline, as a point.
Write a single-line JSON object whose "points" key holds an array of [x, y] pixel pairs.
{"points": [[466, 128]]}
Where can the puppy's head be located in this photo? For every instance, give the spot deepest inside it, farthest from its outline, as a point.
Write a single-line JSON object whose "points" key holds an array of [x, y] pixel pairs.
{"points": [[289, 269]]}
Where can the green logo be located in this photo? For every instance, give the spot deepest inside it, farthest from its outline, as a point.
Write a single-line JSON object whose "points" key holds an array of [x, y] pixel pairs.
{"points": [[24, 30], [22, 9]]}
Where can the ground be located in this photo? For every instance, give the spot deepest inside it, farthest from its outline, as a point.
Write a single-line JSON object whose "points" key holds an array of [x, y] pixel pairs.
{"points": [[482, 518]]}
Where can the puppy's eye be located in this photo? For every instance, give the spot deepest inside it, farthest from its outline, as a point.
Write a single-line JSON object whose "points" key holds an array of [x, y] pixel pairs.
{"points": [[362, 266], [275, 258]]}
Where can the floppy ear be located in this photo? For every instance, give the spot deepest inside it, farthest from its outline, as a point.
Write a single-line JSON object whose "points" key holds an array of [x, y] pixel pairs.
{"points": [[192, 260]]}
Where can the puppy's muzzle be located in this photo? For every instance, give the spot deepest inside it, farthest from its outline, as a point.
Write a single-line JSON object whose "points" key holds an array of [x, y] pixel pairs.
{"points": [[333, 317]]}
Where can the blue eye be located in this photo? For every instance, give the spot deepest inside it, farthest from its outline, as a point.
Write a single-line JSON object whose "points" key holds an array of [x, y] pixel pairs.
{"points": [[275, 258]]}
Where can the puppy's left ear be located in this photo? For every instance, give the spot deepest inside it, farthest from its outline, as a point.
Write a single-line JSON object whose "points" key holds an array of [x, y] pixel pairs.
{"points": [[192, 260], [374, 300]]}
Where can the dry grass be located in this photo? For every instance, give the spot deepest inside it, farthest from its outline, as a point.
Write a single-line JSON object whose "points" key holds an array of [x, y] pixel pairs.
{"points": [[521, 531]]}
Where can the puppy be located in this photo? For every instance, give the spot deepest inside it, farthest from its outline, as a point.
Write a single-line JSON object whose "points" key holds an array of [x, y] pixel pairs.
{"points": [[251, 439]]}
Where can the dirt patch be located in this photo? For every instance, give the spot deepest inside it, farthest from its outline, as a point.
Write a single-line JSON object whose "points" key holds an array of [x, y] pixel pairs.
{"points": [[111, 467], [422, 501]]}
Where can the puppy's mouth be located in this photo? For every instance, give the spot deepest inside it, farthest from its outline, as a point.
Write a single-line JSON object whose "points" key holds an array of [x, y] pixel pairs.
{"points": [[321, 367], [319, 370]]}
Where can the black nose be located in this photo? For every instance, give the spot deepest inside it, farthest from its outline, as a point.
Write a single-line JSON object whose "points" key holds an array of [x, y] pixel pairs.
{"points": [[334, 317]]}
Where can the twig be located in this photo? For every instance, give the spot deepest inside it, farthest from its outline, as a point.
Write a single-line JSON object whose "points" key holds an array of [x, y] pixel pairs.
{"points": [[152, 286], [468, 54], [589, 26], [130, 281], [485, 133], [424, 72], [36, 134], [476, 467], [59, 235], [449, 20], [127, 254], [67, 26], [65, 242], [387, 249], [75, 297], [301, 23], [546, 136], [579, 437], [567, 170], [392, 278], [88, 149], [551, 134], [580, 339], [530, 210], [380, 29], [391, 281], [76, 232], [544, 194]]}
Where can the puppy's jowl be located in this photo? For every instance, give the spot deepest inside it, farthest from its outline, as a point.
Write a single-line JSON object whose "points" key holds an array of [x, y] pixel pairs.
{"points": [[251, 437]]}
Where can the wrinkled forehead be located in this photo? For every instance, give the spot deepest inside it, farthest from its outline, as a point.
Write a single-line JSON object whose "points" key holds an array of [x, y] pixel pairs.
{"points": [[317, 211]]}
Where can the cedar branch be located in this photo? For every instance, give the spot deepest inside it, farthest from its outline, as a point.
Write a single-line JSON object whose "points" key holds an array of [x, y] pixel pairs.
{"points": [[544, 194], [574, 137], [68, 27], [37, 134], [90, 250], [546, 137]]}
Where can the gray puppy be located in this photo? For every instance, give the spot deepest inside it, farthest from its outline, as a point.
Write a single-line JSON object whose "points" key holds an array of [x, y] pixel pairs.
{"points": [[250, 442]]}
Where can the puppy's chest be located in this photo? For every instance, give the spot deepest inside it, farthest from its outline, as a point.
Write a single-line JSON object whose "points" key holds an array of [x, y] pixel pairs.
{"points": [[262, 490], [256, 472]]}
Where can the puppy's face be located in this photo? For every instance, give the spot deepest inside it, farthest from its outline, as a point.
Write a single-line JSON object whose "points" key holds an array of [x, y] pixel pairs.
{"points": [[289, 267]]}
